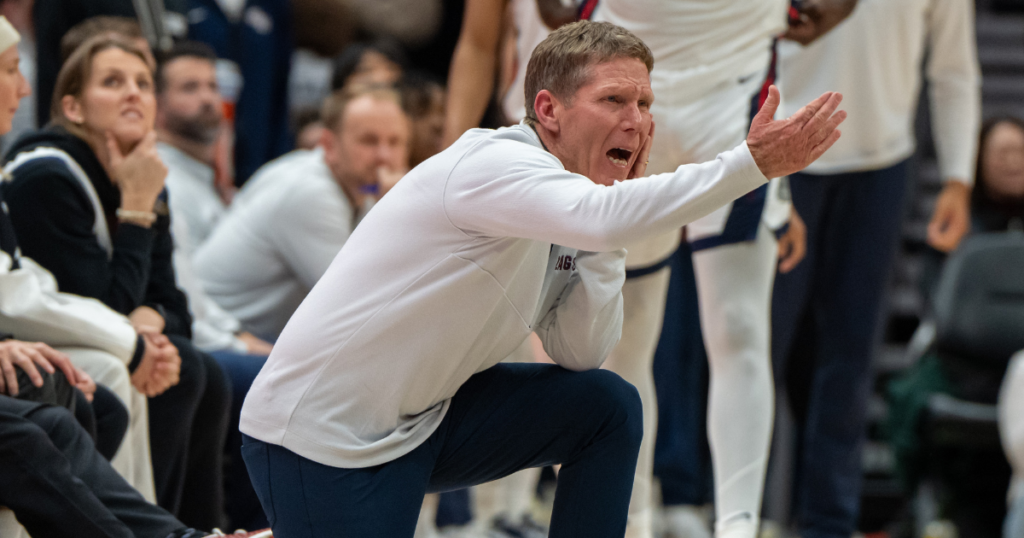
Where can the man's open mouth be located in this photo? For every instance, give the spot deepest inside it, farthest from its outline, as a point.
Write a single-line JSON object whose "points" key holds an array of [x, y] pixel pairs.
{"points": [[619, 156]]}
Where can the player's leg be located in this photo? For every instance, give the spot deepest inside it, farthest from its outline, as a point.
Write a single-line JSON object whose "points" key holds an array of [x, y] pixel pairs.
{"points": [[643, 305], [306, 499], [734, 284], [517, 416]]}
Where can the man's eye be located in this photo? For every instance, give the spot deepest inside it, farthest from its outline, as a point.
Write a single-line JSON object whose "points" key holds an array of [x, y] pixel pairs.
{"points": [[612, 99]]}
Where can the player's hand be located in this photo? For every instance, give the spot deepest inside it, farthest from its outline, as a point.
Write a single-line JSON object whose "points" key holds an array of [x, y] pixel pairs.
{"points": [[817, 18], [952, 217], [640, 165], [784, 147], [793, 244]]}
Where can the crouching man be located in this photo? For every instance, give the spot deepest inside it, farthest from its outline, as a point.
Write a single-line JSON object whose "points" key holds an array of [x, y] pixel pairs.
{"points": [[386, 383]]}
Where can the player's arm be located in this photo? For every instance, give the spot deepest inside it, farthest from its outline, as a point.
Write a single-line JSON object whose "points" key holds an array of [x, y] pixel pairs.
{"points": [[471, 77], [815, 18], [586, 321], [555, 13], [954, 78]]}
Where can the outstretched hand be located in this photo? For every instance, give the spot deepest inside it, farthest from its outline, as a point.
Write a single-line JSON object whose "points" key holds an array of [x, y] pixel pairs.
{"points": [[787, 146]]}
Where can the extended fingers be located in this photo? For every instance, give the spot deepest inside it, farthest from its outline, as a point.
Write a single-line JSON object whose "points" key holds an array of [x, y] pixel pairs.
{"points": [[805, 114], [824, 112], [821, 148], [826, 130]]}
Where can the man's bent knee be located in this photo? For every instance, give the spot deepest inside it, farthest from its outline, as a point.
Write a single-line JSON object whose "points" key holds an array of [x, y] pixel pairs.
{"points": [[618, 398]]}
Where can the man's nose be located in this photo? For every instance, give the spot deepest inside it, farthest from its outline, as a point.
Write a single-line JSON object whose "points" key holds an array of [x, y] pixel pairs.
{"points": [[631, 117], [386, 153]]}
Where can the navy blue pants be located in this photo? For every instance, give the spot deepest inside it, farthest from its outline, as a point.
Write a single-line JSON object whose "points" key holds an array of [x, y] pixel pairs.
{"points": [[825, 319], [241, 504], [506, 418]]}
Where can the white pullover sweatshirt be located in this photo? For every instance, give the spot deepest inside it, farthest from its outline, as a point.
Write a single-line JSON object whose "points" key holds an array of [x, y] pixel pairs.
{"points": [[448, 274], [874, 59]]}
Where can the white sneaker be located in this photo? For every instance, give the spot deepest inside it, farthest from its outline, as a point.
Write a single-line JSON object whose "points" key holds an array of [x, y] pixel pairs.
{"points": [[686, 521]]}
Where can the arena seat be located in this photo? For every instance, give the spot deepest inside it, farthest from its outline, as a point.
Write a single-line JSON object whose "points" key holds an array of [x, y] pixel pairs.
{"points": [[978, 320]]}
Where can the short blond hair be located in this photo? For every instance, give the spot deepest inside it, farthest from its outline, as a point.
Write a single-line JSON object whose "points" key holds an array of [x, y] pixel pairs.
{"points": [[561, 63], [332, 113]]}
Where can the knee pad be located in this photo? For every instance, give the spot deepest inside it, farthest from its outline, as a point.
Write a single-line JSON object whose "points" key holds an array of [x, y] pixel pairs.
{"points": [[740, 327]]}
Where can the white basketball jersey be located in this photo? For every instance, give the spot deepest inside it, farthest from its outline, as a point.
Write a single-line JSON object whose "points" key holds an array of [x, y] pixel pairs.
{"points": [[708, 40], [530, 31]]}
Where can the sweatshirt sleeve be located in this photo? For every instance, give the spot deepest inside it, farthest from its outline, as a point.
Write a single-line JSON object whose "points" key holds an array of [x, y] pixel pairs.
{"points": [[54, 224], [32, 309], [516, 190], [313, 224], [581, 329], [955, 87]]}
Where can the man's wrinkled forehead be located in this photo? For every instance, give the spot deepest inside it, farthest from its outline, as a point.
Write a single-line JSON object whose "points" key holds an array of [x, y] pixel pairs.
{"points": [[619, 75]]}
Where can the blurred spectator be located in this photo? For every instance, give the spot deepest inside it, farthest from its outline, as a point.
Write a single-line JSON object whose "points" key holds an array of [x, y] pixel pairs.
{"points": [[87, 200], [997, 205], [58, 483], [825, 312], [19, 13], [59, 486], [308, 129], [1011, 429], [97, 339], [278, 239], [188, 122], [253, 39], [379, 62], [52, 20], [423, 100], [997, 200]]}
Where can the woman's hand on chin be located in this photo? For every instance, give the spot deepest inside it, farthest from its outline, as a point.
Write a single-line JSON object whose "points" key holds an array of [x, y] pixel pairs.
{"points": [[139, 174]]}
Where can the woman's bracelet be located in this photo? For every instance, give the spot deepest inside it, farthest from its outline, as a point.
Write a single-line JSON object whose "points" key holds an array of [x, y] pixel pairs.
{"points": [[146, 218]]}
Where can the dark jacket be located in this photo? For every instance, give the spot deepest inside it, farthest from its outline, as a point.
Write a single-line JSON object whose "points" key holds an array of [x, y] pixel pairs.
{"points": [[54, 219]]}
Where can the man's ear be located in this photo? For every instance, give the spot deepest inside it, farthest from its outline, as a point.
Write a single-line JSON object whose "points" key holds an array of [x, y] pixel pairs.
{"points": [[547, 108], [327, 140]]}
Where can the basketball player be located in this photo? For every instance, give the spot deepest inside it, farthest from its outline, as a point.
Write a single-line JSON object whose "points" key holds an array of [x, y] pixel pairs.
{"points": [[715, 63]]}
